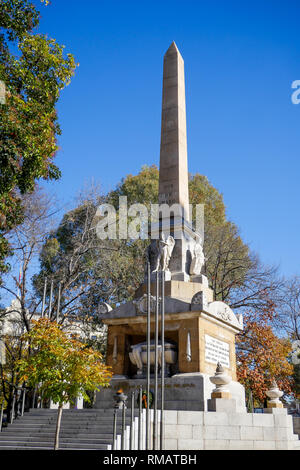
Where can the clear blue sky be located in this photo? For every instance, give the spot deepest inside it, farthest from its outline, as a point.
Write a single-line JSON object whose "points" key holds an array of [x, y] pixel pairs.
{"points": [[243, 130]]}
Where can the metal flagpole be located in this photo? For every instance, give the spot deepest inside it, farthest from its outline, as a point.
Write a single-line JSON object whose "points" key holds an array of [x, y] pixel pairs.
{"points": [[148, 352], [131, 445], [156, 364], [44, 296], [23, 400], [50, 300], [123, 426], [1, 414], [114, 429], [33, 398], [162, 360], [140, 418], [58, 302], [12, 417]]}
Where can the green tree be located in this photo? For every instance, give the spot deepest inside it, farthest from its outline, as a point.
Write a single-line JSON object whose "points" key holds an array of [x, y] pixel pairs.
{"points": [[34, 70], [62, 366]]}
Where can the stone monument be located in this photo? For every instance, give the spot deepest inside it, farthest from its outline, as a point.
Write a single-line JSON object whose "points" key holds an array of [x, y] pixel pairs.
{"points": [[199, 331], [204, 404]]}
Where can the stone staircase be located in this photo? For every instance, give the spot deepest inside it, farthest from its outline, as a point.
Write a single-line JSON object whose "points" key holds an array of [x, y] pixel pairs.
{"points": [[87, 429]]}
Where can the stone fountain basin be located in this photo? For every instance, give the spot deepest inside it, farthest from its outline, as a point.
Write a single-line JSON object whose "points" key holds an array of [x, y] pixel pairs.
{"points": [[138, 354]]}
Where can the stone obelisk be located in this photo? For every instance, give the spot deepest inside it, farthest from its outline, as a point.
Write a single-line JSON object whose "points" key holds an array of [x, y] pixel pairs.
{"points": [[173, 173]]}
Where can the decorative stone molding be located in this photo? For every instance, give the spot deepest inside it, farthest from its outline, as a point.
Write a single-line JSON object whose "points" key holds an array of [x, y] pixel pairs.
{"points": [[104, 308], [220, 379], [141, 304], [200, 279], [199, 301], [274, 393], [188, 347], [115, 350], [222, 311]]}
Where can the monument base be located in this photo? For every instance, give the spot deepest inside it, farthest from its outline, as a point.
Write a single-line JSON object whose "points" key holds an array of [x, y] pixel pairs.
{"points": [[190, 391]]}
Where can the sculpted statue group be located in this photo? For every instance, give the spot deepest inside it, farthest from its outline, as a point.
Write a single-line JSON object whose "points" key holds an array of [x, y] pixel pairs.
{"points": [[159, 253]]}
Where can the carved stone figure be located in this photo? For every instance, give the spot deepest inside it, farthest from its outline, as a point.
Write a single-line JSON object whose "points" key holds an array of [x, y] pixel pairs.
{"points": [[198, 260], [165, 247]]}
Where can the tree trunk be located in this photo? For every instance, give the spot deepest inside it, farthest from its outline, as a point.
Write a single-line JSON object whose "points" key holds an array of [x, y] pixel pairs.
{"points": [[59, 413]]}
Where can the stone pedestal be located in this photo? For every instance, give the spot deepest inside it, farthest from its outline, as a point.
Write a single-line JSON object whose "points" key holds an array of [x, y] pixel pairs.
{"points": [[202, 332], [182, 392], [179, 290], [227, 405], [197, 332]]}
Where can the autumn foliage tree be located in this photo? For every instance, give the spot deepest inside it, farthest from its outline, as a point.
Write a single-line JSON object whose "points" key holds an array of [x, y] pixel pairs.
{"points": [[262, 356], [62, 366]]}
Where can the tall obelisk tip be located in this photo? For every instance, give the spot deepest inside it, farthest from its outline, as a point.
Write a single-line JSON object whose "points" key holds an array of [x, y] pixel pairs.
{"points": [[173, 49]]}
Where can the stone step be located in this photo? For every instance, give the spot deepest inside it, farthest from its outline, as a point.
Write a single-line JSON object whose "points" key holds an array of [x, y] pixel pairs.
{"points": [[14, 447], [68, 419], [46, 446], [80, 429], [63, 440], [70, 428], [63, 435], [67, 415], [94, 422], [47, 411]]}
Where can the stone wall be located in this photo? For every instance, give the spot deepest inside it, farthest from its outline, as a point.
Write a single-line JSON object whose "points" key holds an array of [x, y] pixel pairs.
{"points": [[199, 430], [296, 424]]}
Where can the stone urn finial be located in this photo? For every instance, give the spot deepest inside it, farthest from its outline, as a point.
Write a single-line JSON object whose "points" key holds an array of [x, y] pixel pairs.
{"points": [[220, 379], [220, 368], [274, 393]]}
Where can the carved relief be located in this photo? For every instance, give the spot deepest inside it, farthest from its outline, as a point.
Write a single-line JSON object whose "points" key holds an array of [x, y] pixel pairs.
{"points": [[200, 300], [141, 304], [220, 310]]}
